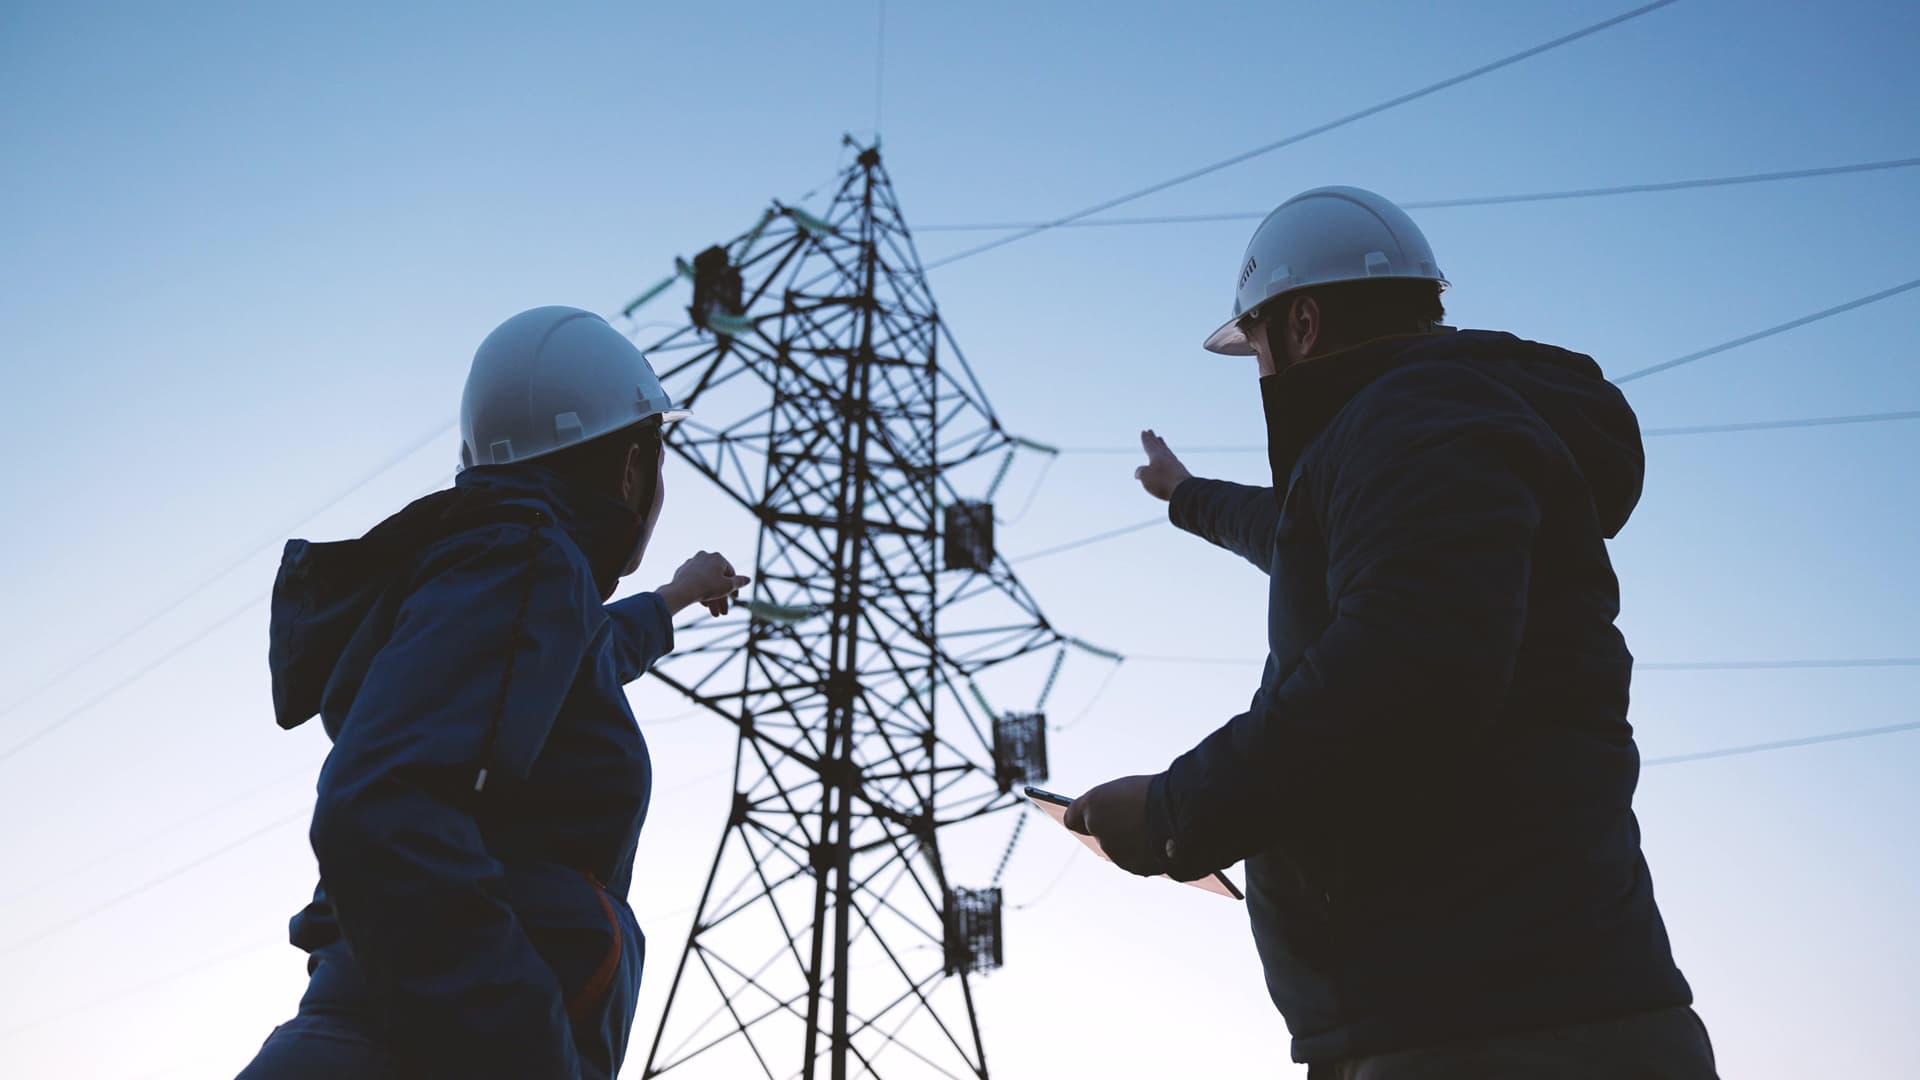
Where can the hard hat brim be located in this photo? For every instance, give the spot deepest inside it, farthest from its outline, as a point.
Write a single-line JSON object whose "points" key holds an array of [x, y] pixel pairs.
{"points": [[674, 416], [1229, 340]]}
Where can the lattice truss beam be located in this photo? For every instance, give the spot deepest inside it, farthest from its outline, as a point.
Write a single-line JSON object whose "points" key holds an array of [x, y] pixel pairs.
{"points": [[856, 418]]}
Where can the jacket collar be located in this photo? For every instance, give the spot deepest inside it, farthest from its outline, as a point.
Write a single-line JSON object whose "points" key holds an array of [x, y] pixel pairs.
{"points": [[602, 527], [1301, 400]]}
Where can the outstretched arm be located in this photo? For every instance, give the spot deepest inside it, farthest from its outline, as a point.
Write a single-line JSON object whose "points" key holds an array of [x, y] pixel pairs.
{"points": [[643, 622], [1236, 517]]}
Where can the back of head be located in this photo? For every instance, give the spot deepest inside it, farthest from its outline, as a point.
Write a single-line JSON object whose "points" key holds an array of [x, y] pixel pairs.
{"points": [[601, 464], [1352, 312], [554, 378]]}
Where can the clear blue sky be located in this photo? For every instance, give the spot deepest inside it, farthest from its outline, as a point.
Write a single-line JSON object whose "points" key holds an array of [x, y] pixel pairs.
{"points": [[248, 250]]}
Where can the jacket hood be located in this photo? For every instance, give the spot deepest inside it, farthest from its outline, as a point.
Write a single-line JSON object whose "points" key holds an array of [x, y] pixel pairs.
{"points": [[327, 594], [1566, 389]]}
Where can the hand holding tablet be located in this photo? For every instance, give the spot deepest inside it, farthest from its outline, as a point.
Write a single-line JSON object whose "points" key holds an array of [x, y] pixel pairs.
{"points": [[1055, 807]]}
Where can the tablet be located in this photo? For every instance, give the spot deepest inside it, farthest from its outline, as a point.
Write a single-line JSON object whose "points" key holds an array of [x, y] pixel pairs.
{"points": [[1055, 807]]}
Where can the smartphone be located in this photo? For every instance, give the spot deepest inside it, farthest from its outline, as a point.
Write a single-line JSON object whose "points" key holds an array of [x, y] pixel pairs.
{"points": [[1055, 807]]}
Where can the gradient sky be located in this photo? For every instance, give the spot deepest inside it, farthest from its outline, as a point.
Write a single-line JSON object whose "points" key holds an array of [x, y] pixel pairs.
{"points": [[249, 249]]}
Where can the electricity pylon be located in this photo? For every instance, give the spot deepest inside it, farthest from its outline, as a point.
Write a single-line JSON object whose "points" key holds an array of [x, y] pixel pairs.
{"points": [[832, 404]]}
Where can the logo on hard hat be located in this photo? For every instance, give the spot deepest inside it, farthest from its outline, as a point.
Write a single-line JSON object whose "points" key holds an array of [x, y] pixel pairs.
{"points": [[1248, 272]]}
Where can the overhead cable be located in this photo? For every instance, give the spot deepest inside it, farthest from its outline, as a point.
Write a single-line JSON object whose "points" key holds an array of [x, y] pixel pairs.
{"points": [[1777, 665], [1638, 665], [1776, 425], [160, 879], [139, 673], [136, 675], [262, 544], [146, 840], [1071, 545], [1782, 744], [1650, 433], [1447, 204], [1770, 331], [1302, 136], [95, 1000]]}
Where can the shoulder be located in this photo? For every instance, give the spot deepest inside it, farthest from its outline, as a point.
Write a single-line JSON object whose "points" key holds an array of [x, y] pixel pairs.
{"points": [[1447, 393], [1432, 402], [504, 560]]}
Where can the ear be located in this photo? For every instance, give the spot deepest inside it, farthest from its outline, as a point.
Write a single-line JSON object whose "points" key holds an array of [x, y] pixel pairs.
{"points": [[1303, 326], [631, 482]]}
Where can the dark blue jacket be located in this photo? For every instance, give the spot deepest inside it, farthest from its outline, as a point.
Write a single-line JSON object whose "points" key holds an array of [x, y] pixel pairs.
{"points": [[476, 819], [1432, 788]]}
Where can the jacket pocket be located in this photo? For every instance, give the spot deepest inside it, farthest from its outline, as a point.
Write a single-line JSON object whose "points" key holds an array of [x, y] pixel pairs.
{"points": [[593, 992], [575, 927]]}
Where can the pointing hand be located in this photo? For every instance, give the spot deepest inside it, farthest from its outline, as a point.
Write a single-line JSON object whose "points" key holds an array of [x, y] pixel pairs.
{"points": [[1163, 472], [707, 579]]}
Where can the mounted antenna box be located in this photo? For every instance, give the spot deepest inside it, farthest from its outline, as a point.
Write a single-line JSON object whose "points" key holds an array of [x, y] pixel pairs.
{"points": [[969, 535], [716, 290], [1019, 749], [973, 931]]}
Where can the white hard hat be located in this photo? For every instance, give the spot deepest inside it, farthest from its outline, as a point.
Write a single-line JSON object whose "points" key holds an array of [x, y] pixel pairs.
{"points": [[1320, 237], [551, 378]]}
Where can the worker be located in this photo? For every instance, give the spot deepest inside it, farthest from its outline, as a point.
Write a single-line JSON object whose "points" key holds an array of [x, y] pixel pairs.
{"points": [[476, 818], [1432, 788]]}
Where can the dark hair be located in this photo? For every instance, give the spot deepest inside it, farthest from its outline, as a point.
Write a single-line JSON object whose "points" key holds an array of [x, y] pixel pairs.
{"points": [[1355, 311], [601, 463]]}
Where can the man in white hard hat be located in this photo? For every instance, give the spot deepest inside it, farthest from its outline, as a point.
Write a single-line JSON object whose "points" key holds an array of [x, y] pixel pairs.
{"points": [[476, 819], [1432, 788]]}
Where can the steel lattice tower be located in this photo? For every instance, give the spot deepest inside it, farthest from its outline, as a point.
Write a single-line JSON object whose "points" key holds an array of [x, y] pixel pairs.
{"points": [[829, 940]]}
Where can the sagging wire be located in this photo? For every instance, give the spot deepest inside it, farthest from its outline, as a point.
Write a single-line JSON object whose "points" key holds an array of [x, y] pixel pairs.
{"points": [[1019, 825], [1066, 867]]}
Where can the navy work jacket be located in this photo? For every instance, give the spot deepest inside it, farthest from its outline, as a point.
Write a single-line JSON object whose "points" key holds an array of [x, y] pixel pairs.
{"points": [[1433, 786], [476, 818]]}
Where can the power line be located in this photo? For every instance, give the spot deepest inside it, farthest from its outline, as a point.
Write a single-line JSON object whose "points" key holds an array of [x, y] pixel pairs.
{"points": [[1083, 542], [1066, 867], [1447, 204], [182, 646], [1770, 331], [1372, 110], [140, 673], [1728, 665], [1222, 661], [153, 882], [879, 68], [1247, 448], [1777, 665], [1775, 425], [1098, 693], [1783, 744], [1649, 433], [150, 838], [1668, 185], [1666, 665], [258, 546], [93, 1003], [1033, 495], [170, 874]]}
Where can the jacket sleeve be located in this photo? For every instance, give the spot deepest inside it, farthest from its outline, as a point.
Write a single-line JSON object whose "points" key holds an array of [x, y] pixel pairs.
{"points": [[1429, 506], [1239, 518], [483, 651], [642, 633]]}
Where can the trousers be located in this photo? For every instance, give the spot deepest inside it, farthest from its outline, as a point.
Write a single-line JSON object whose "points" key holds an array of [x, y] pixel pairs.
{"points": [[1667, 1044]]}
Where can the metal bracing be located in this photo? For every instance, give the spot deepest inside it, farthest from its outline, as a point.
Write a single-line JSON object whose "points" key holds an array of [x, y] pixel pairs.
{"points": [[849, 416]]}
